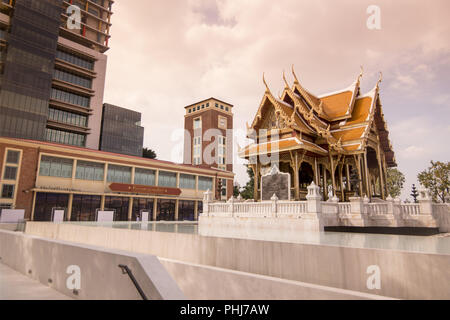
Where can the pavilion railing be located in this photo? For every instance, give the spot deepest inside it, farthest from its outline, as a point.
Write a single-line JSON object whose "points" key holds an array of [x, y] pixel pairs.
{"points": [[332, 210]]}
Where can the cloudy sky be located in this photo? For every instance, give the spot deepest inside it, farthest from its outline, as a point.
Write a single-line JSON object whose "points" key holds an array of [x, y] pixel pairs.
{"points": [[166, 54]]}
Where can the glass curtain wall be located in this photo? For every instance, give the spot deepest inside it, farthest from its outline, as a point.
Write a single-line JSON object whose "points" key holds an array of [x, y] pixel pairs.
{"points": [[28, 70]]}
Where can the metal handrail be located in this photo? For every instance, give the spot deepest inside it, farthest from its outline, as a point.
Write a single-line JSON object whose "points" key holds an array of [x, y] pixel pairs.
{"points": [[126, 270]]}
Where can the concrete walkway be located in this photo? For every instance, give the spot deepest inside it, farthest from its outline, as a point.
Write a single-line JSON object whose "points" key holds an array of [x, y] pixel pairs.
{"points": [[16, 286]]}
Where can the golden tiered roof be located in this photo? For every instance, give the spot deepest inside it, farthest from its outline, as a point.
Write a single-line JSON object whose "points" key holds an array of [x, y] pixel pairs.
{"points": [[339, 122]]}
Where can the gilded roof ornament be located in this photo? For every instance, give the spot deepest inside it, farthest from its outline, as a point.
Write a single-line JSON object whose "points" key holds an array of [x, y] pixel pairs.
{"points": [[295, 76], [265, 83], [380, 79], [285, 81], [361, 74]]}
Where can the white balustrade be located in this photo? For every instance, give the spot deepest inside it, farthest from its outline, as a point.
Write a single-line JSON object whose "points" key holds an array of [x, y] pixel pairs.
{"points": [[409, 209], [329, 208], [314, 207], [377, 209], [345, 208], [291, 208]]}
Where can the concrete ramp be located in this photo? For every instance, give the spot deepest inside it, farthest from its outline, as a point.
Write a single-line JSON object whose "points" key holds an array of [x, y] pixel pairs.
{"points": [[16, 286], [87, 272]]}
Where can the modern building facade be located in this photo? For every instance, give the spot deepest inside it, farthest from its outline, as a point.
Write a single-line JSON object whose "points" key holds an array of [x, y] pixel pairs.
{"points": [[41, 176], [52, 76], [121, 131], [208, 138]]}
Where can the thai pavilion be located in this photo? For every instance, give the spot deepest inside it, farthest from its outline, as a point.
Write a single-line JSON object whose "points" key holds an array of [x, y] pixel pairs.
{"points": [[338, 140]]}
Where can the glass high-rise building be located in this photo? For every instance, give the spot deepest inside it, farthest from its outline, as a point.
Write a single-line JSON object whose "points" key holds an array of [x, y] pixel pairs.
{"points": [[121, 131], [52, 76]]}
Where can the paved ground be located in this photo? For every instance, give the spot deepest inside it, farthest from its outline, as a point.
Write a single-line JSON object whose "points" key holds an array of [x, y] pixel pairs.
{"points": [[16, 286]]}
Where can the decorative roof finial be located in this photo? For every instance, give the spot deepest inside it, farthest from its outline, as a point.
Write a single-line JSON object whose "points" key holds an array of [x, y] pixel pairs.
{"points": [[295, 76], [361, 73], [380, 79], [285, 81], [265, 83]]}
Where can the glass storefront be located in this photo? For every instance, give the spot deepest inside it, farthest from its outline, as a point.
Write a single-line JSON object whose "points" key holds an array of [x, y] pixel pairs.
{"points": [[84, 207], [120, 205], [165, 210], [186, 210], [45, 202], [140, 204]]}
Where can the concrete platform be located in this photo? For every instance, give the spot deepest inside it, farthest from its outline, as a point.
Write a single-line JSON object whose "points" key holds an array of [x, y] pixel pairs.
{"points": [[16, 286]]}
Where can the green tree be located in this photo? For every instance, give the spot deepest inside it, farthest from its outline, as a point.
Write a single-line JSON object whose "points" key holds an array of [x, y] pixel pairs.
{"points": [[395, 181], [247, 192], [436, 179], [236, 190], [414, 193], [149, 153]]}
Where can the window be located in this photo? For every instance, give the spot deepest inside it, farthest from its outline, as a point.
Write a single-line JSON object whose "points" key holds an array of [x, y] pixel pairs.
{"points": [[197, 150], [72, 78], [12, 157], [90, 171], [67, 117], [144, 177], [221, 152], [197, 123], [186, 210], [8, 191], [10, 173], [93, 12], [222, 122], [167, 179], [224, 187], [64, 137], [207, 104], [56, 167], [205, 183], [70, 98], [227, 109], [119, 174], [74, 59], [187, 181], [221, 107]]}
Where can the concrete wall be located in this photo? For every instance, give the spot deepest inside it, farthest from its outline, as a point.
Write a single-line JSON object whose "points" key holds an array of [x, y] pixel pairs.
{"points": [[199, 282], [404, 275], [101, 278], [8, 226]]}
